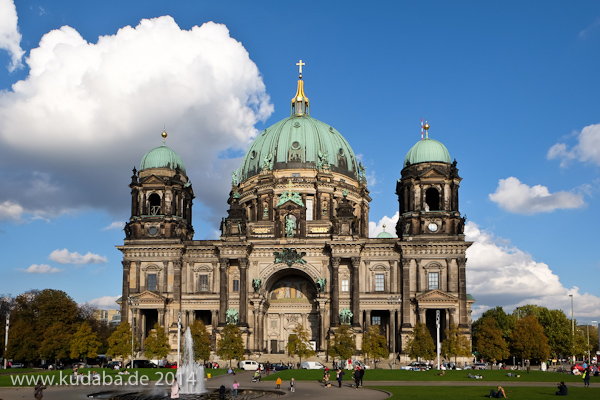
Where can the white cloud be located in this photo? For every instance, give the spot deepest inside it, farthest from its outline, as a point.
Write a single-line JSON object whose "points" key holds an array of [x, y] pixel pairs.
{"points": [[375, 228], [105, 302], [10, 38], [502, 275], [587, 149], [10, 211], [41, 269], [65, 257], [114, 225], [585, 33], [88, 112], [514, 196]]}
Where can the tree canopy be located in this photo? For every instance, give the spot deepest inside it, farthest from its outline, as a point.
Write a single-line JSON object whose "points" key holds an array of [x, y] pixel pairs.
{"points": [[299, 343], [420, 344], [85, 342], [342, 346], [156, 344], [231, 345], [455, 344], [202, 342], [528, 339], [490, 342], [119, 342], [374, 343]]}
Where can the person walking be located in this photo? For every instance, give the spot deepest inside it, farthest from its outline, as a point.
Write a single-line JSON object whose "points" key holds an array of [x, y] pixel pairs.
{"points": [[236, 385], [38, 391], [292, 385], [357, 377], [339, 376], [586, 376], [278, 382]]}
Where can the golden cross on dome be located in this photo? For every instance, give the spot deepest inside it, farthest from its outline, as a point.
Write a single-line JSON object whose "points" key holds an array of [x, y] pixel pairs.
{"points": [[300, 64], [290, 185]]}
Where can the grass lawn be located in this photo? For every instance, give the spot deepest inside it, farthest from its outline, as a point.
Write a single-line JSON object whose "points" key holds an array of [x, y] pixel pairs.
{"points": [[473, 392], [401, 375]]}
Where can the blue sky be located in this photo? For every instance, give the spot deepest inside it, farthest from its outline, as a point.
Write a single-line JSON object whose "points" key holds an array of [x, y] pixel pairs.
{"points": [[511, 88]]}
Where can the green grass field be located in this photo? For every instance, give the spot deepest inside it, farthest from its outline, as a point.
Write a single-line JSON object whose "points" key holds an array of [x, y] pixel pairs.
{"points": [[474, 392], [456, 376]]}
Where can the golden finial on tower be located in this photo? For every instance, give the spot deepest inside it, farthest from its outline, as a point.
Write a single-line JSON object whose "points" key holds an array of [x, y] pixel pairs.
{"points": [[426, 127], [300, 64], [164, 136]]}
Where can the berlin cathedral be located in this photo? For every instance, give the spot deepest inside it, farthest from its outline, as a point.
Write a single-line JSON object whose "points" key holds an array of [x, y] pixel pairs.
{"points": [[295, 246]]}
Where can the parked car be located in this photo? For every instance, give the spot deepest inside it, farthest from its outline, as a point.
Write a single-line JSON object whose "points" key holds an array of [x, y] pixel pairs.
{"points": [[17, 365], [279, 366], [141, 364], [248, 365], [114, 364], [80, 365], [419, 365], [312, 365], [577, 366], [479, 365]]}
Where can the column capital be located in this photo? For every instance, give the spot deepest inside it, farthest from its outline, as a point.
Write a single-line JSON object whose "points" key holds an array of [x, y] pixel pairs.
{"points": [[224, 262], [126, 264], [243, 262], [335, 262], [355, 262], [406, 262]]}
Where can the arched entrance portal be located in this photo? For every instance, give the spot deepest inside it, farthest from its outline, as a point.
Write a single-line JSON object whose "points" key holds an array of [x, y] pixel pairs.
{"points": [[291, 297]]}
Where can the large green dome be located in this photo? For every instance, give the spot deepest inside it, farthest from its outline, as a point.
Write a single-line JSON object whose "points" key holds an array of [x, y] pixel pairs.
{"points": [[298, 142], [162, 157], [427, 150]]}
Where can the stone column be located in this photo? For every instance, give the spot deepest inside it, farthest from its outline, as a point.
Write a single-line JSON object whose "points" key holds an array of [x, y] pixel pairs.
{"points": [[138, 272], [223, 293], [422, 315], [367, 319], [125, 298], [177, 282], [256, 311], [165, 276], [243, 315], [462, 294], [406, 293], [393, 331], [355, 291], [335, 291]]}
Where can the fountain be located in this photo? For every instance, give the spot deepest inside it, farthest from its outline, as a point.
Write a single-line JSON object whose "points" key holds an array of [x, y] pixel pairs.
{"points": [[190, 374]]}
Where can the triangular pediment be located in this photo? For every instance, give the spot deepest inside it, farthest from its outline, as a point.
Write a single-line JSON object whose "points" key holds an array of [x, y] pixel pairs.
{"points": [[289, 204], [433, 173], [435, 296], [152, 179], [148, 297]]}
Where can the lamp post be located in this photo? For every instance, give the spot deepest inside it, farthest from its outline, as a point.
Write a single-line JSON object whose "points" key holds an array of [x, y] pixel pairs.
{"points": [[588, 337], [572, 326], [437, 344], [179, 342], [394, 301], [6, 339], [132, 303]]}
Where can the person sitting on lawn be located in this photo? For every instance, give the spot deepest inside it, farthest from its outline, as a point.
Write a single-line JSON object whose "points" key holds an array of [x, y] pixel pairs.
{"points": [[513, 375], [562, 389], [500, 394], [469, 375]]}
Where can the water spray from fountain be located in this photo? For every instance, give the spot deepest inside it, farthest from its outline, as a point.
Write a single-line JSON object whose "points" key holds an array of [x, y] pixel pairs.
{"points": [[190, 374]]}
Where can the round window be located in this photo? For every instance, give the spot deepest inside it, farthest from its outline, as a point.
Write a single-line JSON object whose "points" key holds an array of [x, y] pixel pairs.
{"points": [[153, 230], [296, 145]]}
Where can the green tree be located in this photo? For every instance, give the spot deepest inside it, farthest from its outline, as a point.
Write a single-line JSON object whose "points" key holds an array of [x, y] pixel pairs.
{"points": [[374, 343], [231, 345], [342, 346], [528, 339], [202, 342], [119, 342], [489, 341], [455, 344], [299, 343], [420, 344], [580, 344], [156, 344], [42, 323], [505, 322], [557, 327], [84, 343]]}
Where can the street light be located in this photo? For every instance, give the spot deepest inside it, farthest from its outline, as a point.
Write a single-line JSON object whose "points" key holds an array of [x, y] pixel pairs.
{"points": [[131, 301], [394, 301], [179, 343], [572, 326], [6, 339]]}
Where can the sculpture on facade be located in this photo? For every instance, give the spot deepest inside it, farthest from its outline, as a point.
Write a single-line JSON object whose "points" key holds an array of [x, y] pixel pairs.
{"points": [[321, 282], [234, 180], [345, 316], [256, 282], [289, 257], [268, 162], [231, 316], [290, 225]]}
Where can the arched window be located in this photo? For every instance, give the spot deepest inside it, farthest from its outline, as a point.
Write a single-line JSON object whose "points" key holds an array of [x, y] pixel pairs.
{"points": [[154, 201], [432, 198]]}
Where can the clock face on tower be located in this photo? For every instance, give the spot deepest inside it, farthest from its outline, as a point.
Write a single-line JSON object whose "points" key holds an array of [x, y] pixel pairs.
{"points": [[432, 227]]}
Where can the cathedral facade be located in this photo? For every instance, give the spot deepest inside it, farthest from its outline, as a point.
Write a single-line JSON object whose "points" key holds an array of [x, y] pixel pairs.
{"points": [[294, 247]]}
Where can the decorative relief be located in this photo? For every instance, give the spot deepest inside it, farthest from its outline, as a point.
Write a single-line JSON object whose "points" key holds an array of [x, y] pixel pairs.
{"points": [[261, 230], [289, 257], [320, 229]]}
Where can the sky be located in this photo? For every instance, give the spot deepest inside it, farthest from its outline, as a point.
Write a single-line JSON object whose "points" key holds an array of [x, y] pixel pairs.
{"points": [[511, 88]]}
